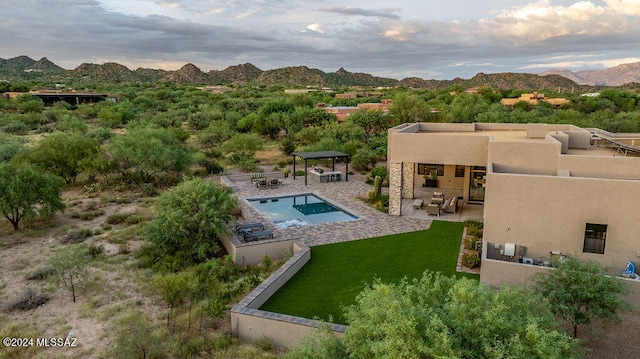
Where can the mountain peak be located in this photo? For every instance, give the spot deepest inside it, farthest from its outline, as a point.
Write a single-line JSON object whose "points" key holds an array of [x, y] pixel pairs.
{"points": [[187, 73], [615, 76]]}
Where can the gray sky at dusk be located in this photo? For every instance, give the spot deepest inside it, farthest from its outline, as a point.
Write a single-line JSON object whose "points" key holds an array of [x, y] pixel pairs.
{"points": [[398, 39]]}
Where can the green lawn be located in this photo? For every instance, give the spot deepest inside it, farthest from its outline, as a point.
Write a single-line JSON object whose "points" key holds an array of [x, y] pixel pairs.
{"points": [[337, 272]]}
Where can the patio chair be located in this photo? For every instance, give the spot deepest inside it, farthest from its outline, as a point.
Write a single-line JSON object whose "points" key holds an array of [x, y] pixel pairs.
{"points": [[631, 271], [255, 177], [433, 208], [262, 183], [254, 236], [241, 227], [273, 183]]}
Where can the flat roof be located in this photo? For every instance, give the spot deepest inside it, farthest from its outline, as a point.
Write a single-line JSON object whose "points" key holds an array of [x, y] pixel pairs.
{"points": [[320, 154]]}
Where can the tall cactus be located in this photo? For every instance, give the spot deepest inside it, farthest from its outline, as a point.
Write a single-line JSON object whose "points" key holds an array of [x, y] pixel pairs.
{"points": [[377, 186]]}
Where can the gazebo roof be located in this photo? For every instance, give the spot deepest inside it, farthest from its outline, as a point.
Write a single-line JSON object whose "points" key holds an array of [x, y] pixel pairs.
{"points": [[321, 154]]}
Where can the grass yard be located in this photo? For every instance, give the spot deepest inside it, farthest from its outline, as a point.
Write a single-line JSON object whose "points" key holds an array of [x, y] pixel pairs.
{"points": [[337, 272]]}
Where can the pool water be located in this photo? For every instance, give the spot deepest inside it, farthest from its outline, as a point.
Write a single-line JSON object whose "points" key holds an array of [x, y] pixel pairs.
{"points": [[299, 210]]}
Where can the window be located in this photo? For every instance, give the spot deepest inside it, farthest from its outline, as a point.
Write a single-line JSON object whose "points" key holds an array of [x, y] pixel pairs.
{"points": [[595, 236], [459, 171], [427, 168]]}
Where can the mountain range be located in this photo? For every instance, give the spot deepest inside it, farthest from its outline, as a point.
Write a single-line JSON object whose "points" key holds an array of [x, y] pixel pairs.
{"points": [[615, 76], [25, 68]]}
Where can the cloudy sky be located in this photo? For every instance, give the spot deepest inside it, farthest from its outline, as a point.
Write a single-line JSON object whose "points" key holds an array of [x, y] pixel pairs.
{"points": [[423, 38]]}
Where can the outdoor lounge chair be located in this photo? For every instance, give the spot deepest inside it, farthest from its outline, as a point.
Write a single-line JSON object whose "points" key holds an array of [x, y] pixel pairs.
{"points": [[241, 227], [262, 183], [273, 183], [255, 177], [253, 236], [631, 271], [433, 208]]}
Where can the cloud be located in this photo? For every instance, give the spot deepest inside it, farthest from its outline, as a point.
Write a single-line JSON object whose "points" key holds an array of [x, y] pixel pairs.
{"points": [[602, 62], [628, 7], [216, 34], [384, 13], [539, 21], [315, 27]]}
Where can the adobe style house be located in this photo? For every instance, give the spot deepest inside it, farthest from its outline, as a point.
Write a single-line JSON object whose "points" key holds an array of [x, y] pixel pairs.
{"points": [[547, 190], [533, 99], [343, 112]]}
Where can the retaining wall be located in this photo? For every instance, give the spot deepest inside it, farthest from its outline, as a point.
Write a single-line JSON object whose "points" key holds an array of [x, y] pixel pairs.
{"points": [[249, 322]]}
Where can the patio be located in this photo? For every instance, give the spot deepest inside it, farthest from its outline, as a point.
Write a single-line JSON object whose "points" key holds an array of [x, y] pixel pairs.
{"points": [[463, 212], [370, 222]]}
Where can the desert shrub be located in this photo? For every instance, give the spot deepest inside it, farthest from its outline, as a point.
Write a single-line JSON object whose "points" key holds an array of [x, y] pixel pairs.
{"points": [[474, 227], [101, 134], [149, 190], [189, 346], [282, 163], [474, 231], [470, 259], [136, 337], [76, 235], [288, 146], [210, 165], [89, 215], [95, 250], [90, 206], [93, 188], [123, 248], [364, 159], [248, 165], [41, 273], [134, 219], [117, 218], [145, 255], [28, 299], [299, 173], [470, 242], [16, 128]]}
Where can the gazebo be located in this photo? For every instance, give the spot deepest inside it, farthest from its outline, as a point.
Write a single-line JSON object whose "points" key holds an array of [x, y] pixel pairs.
{"points": [[334, 155]]}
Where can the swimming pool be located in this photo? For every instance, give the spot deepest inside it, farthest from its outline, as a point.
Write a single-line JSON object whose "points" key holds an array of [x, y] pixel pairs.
{"points": [[299, 210]]}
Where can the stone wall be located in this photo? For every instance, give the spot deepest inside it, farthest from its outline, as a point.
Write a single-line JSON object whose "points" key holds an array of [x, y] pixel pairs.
{"points": [[408, 179], [395, 188]]}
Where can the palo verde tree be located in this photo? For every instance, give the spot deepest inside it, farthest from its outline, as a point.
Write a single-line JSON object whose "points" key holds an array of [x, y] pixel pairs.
{"points": [[136, 337], [26, 192], [580, 291], [191, 217], [174, 288], [65, 154], [145, 152], [445, 317], [70, 267]]}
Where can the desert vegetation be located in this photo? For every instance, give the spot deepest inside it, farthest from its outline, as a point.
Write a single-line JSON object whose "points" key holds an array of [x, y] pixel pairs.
{"points": [[98, 201]]}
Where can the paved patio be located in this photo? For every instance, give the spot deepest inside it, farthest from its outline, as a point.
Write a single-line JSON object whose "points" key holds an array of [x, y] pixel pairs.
{"points": [[465, 210], [370, 222]]}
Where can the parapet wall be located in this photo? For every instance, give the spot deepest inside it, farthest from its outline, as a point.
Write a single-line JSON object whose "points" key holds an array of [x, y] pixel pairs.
{"points": [[251, 323]]}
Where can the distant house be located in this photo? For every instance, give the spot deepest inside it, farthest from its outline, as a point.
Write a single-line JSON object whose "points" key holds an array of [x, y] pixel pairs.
{"points": [[51, 96], [342, 112], [352, 95], [533, 99], [382, 106]]}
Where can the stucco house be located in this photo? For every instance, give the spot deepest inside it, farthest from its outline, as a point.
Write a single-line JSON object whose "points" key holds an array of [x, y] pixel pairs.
{"points": [[533, 99], [547, 190]]}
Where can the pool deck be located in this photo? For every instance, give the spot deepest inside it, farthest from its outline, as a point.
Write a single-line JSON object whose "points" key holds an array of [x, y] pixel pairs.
{"points": [[370, 222]]}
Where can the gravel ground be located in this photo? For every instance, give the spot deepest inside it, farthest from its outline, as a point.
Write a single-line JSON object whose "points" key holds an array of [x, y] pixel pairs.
{"points": [[613, 340]]}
